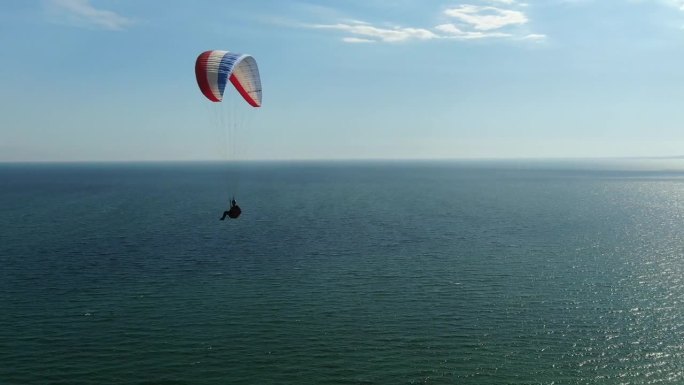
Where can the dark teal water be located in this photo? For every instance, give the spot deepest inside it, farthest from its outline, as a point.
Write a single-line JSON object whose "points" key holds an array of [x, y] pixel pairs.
{"points": [[343, 273]]}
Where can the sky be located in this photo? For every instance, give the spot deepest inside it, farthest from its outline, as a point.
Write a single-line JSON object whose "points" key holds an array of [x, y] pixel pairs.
{"points": [[113, 80]]}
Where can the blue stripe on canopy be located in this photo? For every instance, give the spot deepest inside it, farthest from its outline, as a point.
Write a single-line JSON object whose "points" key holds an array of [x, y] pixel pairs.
{"points": [[226, 69]]}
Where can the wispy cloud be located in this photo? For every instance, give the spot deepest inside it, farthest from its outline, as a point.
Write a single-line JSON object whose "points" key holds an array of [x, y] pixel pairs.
{"points": [[486, 18], [356, 40], [451, 30], [534, 36], [370, 33], [82, 12], [496, 19]]}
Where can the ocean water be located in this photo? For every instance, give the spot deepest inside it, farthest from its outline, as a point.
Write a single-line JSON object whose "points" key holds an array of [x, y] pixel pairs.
{"points": [[490, 272]]}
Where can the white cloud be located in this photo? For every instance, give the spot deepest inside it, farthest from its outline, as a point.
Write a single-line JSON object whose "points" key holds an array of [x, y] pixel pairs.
{"points": [[356, 40], [388, 35], [485, 18], [501, 19], [83, 13], [534, 36], [452, 31]]}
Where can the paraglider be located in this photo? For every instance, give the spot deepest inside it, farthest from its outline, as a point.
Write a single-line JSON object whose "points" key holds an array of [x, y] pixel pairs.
{"points": [[233, 212], [213, 70]]}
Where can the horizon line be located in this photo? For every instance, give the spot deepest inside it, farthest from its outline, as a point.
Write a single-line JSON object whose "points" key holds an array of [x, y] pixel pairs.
{"points": [[323, 160]]}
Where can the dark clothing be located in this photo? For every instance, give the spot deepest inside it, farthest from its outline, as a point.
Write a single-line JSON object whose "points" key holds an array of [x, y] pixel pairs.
{"points": [[233, 212]]}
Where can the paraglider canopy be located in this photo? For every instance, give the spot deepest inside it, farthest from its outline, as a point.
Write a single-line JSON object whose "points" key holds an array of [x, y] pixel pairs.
{"points": [[214, 69]]}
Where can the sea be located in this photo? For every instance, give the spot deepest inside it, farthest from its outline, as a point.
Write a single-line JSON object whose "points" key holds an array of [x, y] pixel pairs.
{"points": [[343, 272]]}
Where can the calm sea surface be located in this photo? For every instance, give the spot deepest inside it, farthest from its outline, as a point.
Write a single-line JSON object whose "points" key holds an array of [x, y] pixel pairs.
{"points": [[343, 273]]}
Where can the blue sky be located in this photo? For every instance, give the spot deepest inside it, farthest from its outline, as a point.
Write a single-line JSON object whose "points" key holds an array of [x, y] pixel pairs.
{"points": [[356, 79]]}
